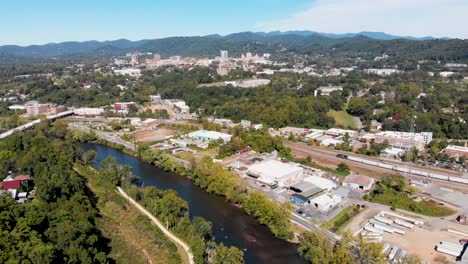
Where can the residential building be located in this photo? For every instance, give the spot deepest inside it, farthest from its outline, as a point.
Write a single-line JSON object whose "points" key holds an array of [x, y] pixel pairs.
{"points": [[404, 140], [124, 105], [15, 183], [210, 135], [358, 182], [327, 90], [456, 151], [273, 172], [36, 108]]}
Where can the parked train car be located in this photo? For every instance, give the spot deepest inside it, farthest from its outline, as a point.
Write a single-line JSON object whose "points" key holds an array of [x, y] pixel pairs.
{"points": [[404, 169]]}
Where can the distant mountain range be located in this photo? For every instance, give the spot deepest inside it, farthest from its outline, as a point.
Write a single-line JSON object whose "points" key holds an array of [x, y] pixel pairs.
{"points": [[373, 35], [210, 45]]}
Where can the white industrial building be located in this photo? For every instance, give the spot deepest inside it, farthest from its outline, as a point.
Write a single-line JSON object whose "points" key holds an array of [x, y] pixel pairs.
{"points": [[382, 72], [325, 201], [248, 83], [327, 90], [358, 182], [341, 132], [273, 172], [88, 111], [130, 71], [210, 135], [320, 182]]}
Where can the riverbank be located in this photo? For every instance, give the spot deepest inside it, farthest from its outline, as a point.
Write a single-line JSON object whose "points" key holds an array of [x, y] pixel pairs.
{"points": [[214, 178], [166, 232], [231, 225], [133, 239]]}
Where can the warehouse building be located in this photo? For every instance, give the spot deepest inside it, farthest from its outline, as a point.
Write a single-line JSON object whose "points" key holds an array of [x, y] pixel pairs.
{"points": [[304, 197], [358, 182], [275, 173], [320, 182], [325, 201], [456, 151], [210, 135]]}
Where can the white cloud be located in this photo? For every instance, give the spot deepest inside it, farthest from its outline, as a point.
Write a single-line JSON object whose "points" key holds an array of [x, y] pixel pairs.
{"points": [[438, 18]]}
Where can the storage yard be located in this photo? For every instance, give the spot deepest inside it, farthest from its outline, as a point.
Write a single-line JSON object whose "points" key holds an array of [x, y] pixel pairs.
{"points": [[402, 235]]}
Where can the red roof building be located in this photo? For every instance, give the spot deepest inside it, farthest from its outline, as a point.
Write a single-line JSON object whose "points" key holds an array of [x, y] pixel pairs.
{"points": [[14, 183]]}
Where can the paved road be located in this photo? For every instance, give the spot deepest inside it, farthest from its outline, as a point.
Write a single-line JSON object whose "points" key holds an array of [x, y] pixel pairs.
{"points": [[33, 123], [160, 226], [114, 138]]}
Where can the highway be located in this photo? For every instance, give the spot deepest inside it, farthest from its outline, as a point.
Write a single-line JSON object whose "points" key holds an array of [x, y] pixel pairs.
{"points": [[33, 123], [114, 138]]}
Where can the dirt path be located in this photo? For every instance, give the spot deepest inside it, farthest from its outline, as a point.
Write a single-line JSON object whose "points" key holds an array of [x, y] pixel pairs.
{"points": [[160, 226]]}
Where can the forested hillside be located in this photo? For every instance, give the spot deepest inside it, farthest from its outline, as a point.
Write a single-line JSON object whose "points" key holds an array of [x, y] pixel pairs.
{"points": [[279, 44]]}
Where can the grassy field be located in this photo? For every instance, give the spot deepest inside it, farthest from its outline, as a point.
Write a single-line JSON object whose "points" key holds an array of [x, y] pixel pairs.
{"points": [[342, 118], [402, 201], [133, 238], [339, 222]]}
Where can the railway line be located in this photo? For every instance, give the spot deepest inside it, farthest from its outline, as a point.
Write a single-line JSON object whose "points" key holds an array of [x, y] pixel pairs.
{"points": [[326, 157]]}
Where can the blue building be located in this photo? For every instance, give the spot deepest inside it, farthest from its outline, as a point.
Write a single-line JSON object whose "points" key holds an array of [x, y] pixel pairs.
{"points": [[306, 192]]}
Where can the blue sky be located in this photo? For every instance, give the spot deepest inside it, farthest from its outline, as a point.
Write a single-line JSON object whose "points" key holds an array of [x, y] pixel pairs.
{"points": [[25, 22]]}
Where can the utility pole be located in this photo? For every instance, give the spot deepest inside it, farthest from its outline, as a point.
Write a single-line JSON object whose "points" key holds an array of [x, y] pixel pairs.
{"points": [[412, 132]]}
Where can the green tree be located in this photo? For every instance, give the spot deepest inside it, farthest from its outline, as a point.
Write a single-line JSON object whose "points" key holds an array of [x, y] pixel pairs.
{"points": [[227, 255], [370, 253], [342, 167], [89, 157]]}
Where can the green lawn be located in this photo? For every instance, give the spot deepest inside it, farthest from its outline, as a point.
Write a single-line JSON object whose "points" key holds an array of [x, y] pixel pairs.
{"points": [[402, 201], [339, 222], [342, 118]]}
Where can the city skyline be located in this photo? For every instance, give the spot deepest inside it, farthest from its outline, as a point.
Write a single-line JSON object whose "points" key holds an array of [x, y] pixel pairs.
{"points": [[31, 22]]}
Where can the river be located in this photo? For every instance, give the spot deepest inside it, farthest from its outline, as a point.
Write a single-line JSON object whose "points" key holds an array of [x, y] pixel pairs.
{"points": [[231, 225]]}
